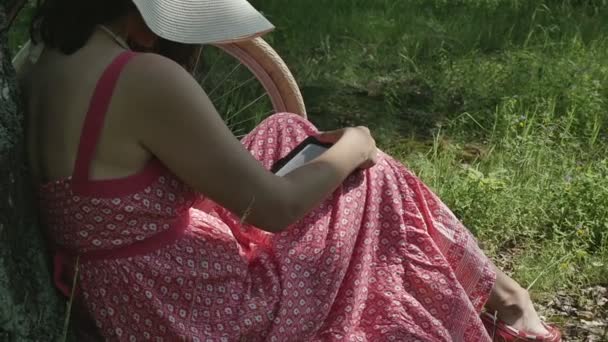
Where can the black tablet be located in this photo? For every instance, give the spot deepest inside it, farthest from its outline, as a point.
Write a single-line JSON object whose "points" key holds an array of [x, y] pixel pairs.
{"points": [[306, 151]]}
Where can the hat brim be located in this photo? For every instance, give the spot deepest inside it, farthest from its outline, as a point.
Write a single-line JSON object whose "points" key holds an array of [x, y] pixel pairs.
{"points": [[203, 21]]}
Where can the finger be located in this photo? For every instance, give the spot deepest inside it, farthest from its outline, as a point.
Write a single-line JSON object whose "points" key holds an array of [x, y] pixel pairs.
{"points": [[366, 165], [365, 129], [376, 156], [373, 160], [330, 136]]}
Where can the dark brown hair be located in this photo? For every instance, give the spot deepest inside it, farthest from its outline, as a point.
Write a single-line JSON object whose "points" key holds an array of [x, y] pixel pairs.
{"points": [[67, 25]]}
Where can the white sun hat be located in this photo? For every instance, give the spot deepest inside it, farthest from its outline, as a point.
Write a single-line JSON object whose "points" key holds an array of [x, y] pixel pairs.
{"points": [[203, 21], [185, 21]]}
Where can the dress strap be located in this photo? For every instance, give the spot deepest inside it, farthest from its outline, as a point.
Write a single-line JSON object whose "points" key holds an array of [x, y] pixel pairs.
{"points": [[94, 119]]}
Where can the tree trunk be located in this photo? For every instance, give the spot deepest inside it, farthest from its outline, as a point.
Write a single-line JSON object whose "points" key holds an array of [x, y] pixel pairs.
{"points": [[30, 309]]}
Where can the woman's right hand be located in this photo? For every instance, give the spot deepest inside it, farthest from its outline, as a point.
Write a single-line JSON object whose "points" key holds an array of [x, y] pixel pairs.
{"points": [[359, 138]]}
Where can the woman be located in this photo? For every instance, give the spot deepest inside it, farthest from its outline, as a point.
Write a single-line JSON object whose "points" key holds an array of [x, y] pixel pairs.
{"points": [[125, 145]]}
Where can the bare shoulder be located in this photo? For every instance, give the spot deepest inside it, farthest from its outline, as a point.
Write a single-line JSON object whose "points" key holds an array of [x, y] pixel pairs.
{"points": [[150, 74], [155, 87]]}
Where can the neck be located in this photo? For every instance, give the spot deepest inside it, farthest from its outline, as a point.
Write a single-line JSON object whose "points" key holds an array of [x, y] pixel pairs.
{"points": [[118, 27], [112, 34]]}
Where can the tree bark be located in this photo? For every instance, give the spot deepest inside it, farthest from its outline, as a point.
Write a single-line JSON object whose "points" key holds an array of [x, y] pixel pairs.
{"points": [[30, 309]]}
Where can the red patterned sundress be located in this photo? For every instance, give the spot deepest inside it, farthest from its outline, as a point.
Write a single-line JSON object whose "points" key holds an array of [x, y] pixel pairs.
{"points": [[381, 259]]}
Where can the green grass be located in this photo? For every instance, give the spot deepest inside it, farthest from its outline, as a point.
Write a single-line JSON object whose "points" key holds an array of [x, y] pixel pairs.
{"points": [[499, 105]]}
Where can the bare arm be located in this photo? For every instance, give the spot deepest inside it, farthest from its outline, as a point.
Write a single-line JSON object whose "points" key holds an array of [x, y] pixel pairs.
{"points": [[177, 122]]}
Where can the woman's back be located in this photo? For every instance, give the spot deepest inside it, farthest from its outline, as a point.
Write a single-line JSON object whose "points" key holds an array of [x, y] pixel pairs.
{"points": [[110, 218], [59, 92]]}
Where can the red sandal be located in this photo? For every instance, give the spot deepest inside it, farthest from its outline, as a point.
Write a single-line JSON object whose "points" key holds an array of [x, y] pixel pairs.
{"points": [[500, 332]]}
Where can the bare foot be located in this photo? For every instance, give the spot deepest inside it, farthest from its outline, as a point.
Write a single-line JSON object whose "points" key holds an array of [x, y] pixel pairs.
{"points": [[513, 306], [518, 312]]}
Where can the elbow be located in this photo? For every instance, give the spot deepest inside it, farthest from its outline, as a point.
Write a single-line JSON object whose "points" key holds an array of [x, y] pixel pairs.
{"points": [[274, 228], [281, 216], [277, 216]]}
